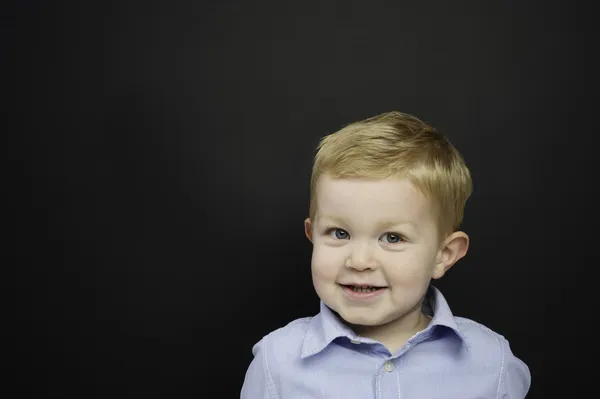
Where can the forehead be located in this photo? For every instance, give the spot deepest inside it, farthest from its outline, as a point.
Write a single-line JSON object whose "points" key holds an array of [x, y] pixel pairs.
{"points": [[393, 198]]}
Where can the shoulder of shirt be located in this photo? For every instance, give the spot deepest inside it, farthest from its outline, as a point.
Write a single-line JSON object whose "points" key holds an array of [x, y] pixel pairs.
{"points": [[479, 337], [489, 347], [285, 343]]}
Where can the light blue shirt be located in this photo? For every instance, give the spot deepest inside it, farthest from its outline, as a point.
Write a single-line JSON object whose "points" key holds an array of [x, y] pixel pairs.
{"points": [[320, 357]]}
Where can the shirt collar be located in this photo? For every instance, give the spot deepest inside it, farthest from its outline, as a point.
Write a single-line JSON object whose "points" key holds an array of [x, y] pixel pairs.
{"points": [[442, 315], [326, 325]]}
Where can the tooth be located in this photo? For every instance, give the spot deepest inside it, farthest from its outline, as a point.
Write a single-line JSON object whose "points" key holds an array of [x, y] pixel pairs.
{"points": [[363, 289]]}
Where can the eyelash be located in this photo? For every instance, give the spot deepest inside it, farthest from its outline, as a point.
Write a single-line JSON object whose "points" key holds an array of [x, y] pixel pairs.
{"points": [[332, 229]]}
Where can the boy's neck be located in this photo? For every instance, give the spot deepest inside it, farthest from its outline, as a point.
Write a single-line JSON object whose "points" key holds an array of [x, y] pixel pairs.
{"points": [[395, 334]]}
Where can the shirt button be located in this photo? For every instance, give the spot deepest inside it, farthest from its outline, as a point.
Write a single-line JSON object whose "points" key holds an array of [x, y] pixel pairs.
{"points": [[388, 366]]}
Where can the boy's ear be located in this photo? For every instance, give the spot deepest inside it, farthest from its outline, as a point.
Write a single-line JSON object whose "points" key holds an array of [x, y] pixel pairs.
{"points": [[455, 247], [308, 229]]}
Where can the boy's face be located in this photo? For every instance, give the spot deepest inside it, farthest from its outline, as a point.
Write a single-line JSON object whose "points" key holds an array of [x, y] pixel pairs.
{"points": [[378, 233]]}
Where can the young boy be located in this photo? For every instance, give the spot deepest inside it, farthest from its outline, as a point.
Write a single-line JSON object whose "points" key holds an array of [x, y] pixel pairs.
{"points": [[387, 198]]}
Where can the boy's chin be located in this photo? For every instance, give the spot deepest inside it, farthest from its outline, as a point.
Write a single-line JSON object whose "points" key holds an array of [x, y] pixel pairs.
{"points": [[354, 319]]}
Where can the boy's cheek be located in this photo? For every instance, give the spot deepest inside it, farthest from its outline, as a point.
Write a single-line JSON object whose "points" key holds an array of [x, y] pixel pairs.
{"points": [[325, 253]]}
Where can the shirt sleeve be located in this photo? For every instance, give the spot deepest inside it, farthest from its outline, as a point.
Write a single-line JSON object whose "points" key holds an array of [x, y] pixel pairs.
{"points": [[258, 383], [515, 378]]}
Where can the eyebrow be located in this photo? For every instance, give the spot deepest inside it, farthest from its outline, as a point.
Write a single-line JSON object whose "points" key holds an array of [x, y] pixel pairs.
{"points": [[381, 225]]}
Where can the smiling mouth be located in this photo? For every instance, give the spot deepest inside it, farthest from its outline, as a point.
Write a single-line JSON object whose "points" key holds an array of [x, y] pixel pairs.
{"points": [[365, 289]]}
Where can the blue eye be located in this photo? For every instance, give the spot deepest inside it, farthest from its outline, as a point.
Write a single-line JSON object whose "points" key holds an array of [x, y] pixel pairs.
{"points": [[392, 238], [339, 233]]}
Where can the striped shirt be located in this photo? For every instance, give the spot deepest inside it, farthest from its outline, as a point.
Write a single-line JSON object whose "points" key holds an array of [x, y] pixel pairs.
{"points": [[320, 357]]}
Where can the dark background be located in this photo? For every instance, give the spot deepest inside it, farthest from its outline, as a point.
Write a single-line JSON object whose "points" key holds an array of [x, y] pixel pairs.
{"points": [[159, 160]]}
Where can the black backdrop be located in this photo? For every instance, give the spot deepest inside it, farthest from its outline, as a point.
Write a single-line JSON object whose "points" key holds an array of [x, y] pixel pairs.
{"points": [[160, 155]]}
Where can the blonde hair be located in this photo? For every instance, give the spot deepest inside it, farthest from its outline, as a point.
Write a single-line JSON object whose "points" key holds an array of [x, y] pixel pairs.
{"points": [[396, 144]]}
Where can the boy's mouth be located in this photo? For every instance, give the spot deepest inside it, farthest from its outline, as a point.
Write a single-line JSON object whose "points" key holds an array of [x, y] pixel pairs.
{"points": [[362, 288]]}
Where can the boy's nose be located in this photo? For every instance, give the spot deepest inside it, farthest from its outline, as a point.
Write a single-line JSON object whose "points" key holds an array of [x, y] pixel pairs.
{"points": [[361, 258]]}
